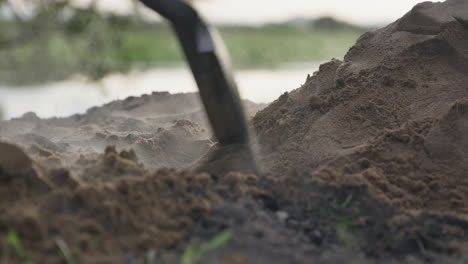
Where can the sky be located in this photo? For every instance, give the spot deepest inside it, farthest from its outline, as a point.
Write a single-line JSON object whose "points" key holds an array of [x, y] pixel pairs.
{"points": [[363, 12]]}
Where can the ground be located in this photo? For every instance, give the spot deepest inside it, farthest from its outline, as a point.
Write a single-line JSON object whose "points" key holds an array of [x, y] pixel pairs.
{"points": [[364, 163]]}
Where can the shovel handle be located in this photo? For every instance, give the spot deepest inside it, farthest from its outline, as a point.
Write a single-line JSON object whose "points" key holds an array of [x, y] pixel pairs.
{"points": [[211, 69]]}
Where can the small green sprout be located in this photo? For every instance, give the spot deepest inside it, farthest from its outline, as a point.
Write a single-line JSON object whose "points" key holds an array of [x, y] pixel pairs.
{"points": [[15, 242], [194, 253], [347, 201]]}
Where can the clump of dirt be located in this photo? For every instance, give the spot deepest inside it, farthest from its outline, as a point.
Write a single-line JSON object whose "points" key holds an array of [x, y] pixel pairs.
{"points": [[366, 162], [128, 210]]}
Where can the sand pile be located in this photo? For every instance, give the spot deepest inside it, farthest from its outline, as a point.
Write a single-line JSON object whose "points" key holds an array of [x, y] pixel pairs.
{"points": [[366, 162], [164, 130], [392, 115]]}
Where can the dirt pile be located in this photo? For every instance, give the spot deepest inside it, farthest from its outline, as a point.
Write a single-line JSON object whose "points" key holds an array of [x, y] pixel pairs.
{"points": [[392, 115], [164, 130], [93, 216], [366, 163]]}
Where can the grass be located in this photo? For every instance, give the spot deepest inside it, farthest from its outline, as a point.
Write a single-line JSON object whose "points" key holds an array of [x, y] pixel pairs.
{"points": [[102, 49], [68, 255], [194, 254], [347, 201], [13, 240], [270, 46]]}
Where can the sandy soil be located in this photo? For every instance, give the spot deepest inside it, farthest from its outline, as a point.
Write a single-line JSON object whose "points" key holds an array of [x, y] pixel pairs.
{"points": [[367, 162]]}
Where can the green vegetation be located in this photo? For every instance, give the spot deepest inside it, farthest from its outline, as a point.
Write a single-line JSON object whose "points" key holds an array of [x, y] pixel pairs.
{"points": [[53, 46], [348, 200], [14, 241], [275, 44], [195, 253]]}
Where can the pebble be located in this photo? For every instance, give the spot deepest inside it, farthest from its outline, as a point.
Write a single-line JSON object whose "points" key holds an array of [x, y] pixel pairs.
{"points": [[282, 215]]}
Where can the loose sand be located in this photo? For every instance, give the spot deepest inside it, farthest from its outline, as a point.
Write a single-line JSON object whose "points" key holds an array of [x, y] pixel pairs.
{"points": [[366, 162]]}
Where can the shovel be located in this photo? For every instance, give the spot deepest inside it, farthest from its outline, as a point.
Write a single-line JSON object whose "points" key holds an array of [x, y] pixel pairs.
{"points": [[210, 65]]}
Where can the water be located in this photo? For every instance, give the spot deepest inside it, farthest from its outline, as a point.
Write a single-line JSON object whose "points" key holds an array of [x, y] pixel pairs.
{"points": [[76, 95]]}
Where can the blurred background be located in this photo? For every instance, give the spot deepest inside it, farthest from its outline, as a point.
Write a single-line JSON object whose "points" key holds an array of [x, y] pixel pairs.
{"points": [[60, 57]]}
